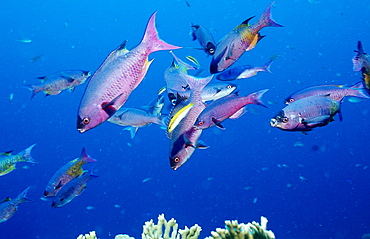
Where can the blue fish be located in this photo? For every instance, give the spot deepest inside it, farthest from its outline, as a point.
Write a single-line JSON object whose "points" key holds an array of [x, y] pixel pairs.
{"points": [[9, 207], [205, 39]]}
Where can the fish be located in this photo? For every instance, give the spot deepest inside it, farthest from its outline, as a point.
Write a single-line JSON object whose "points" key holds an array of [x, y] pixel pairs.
{"points": [[69, 171], [219, 110], [361, 62], [205, 39], [72, 189], [336, 92], [243, 72], [242, 38], [9, 207], [211, 92], [184, 137], [307, 113], [116, 78], [136, 118], [25, 40], [55, 83], [8, 161], [174, 81]]}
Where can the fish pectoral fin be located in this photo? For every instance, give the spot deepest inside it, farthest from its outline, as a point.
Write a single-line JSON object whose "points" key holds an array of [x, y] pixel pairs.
{"points": [[109, 107], [217, 123], [256, 38], [316, 120], [132, 130], [201, 145], [59, 185]]}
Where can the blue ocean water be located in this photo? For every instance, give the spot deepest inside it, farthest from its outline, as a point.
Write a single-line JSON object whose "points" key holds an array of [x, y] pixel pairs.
{"points": [[308, 186]]}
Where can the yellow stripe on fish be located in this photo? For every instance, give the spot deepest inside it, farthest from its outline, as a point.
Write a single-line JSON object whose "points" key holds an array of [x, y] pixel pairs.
{"points": [[178, 117]]}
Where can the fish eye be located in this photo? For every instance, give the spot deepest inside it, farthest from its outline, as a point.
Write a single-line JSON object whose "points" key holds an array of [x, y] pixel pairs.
{"points": [[291, 100], [229, 86], [62, 199], [201, 122], [211, 50], [86, 120], [285, 120], [176, 159]]}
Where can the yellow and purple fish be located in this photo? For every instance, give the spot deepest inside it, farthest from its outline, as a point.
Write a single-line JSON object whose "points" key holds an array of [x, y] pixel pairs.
{"points": [[72, 189], [184, 137], [8, 161], [243, 72], [113, 82], [219, 110], [361, 62], [307, 113], [336, 92], [242, 38], [66, 173], [205, 39], [9, 207], [55, 83]]}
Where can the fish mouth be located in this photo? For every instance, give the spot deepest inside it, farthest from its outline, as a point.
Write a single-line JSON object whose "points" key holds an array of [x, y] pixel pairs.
{"points": [[81, 130], [273, 122]]}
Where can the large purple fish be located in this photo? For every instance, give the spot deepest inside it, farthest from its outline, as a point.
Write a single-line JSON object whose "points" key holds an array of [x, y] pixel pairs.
{"points": [[242, 38], [112, 84], [307, 113], [224, 108], [336, 92]]}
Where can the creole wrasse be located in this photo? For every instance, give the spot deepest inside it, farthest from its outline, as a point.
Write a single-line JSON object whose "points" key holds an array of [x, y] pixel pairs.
{"points": [[205, 39], [112, 83], [66, 173], [242, 38], [8, 161], [8, 207]]}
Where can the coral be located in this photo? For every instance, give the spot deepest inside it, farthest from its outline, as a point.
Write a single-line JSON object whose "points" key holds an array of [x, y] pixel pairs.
{"points": [[169, 230], [91, 235], [234, 230]]}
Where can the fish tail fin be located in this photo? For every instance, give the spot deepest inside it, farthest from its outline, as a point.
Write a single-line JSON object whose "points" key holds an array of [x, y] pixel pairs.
{"points": [[25, 155], [195, 83], [33, 89], [22, 197], [151, 37], [266, 20], [357, 65], [359, 90], [84, 157], [133, 130], [255, 98], [266, 66]]}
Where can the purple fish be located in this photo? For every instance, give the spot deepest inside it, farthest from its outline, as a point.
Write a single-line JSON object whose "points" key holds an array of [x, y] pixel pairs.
{"points": [[361, 62], [336, 92], [204, 38], [307, 113], [66, 173], [242, 38], [112, 84], [9, 207], [224, 108]]}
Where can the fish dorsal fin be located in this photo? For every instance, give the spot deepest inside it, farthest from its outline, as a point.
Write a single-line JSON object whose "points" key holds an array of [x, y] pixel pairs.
{"points": [[5, 200], [246, 22], [7, 153], [122, 48]]}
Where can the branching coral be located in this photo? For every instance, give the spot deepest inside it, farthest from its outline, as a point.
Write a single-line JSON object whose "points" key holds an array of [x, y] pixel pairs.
{"points": [[234, 230], [169, 230]]}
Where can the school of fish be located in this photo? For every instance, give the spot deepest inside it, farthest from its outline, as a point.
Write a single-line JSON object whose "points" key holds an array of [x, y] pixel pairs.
{"points": [[195, 102]]}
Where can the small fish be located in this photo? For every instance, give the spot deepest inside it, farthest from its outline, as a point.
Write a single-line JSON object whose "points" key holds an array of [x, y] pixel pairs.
{"points": [[71, 190], [204, 38], [66, 173], [226, 107], [184, 138], [361, 62], [135, 118], [25, 40], [242, 38], [9, 207], [117, 77], [243, 72], [211, 92], [336, 92], [174, 80], [55, 83], [36, 58], [8, 161], [307, 113], [11, 96]]}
